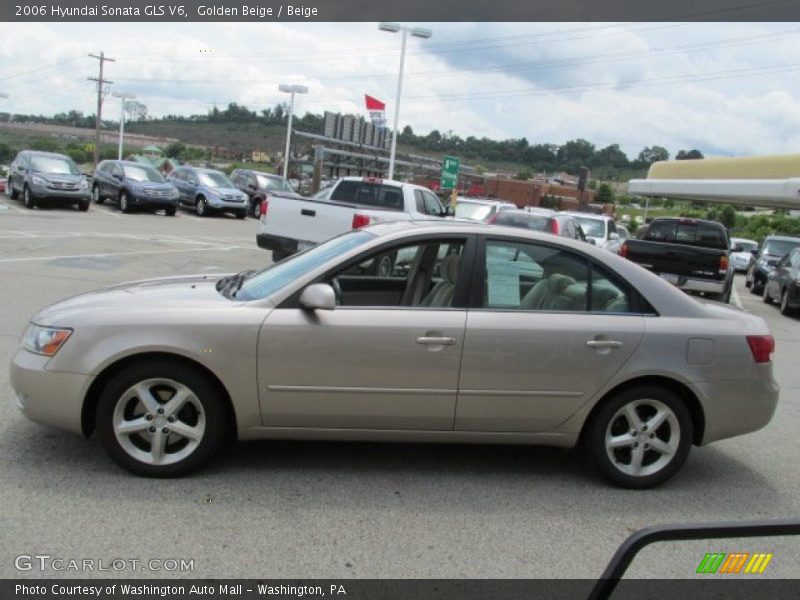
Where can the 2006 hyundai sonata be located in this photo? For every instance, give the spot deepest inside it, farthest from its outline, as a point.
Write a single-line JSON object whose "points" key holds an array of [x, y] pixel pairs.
{"points": [[475, 334]]}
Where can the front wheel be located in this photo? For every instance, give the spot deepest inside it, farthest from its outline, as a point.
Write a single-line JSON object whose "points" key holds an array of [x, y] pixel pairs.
{"points": [[124, 202], [765, 295], [161, 420], [83, 206], [641, 437], [27, 198], [170, 211], [200, 207], [96, 197], [255, 210], [241, 215], [12, 193], [785, 308]]}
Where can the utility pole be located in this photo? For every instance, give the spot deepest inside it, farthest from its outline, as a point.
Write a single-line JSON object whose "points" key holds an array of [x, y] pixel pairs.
{"points": [[101, 91]]}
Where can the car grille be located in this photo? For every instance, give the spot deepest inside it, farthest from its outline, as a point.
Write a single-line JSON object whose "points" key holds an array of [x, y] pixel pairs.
{"points": [[159, 193], [232, 198], [63, 186]]}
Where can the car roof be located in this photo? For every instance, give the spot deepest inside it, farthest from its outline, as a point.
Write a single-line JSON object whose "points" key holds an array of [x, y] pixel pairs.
{"points": [[576, 213], [782, 238], [490, 201], [43, 153]]}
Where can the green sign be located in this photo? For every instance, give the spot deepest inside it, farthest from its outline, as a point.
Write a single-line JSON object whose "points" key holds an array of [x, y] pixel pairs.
{"points": [[449, 173]]}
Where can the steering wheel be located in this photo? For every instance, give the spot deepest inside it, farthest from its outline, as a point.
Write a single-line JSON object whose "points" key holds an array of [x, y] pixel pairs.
{"points": [[337, 290]]}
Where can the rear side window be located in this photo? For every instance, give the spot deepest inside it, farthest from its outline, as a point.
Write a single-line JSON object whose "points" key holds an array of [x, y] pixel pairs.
{"points": [[369, 194], [688, 232], [525, 221]]}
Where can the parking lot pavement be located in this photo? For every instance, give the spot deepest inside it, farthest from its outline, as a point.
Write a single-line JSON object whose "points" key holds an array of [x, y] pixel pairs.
{"points": [[294, 509]]}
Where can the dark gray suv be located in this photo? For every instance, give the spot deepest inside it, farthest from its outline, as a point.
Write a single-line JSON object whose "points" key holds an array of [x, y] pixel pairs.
{"points": [[133, 185], [45, 177]]}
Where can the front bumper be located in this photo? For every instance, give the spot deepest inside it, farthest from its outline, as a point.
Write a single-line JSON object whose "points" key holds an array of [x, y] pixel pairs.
{"points": [[141, 200], [736, 407], [41, 192], [48, 397], [227, 206]]}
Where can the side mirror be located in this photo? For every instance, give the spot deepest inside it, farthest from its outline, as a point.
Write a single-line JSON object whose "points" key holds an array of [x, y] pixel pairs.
{"points": [[613, 236], [591, 241], [252, 187], [318, 296], [449, 211], [754, 251]]}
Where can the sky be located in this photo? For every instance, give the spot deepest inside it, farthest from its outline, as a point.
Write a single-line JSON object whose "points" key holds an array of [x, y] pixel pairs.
{"points": [[727, 89]]}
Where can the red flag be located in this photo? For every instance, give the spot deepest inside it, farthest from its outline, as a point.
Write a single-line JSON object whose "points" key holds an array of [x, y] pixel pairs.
{"points": [[374, 103]]}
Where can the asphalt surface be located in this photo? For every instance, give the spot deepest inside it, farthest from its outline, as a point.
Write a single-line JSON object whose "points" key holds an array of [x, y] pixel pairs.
{"points": [[340, 510]]}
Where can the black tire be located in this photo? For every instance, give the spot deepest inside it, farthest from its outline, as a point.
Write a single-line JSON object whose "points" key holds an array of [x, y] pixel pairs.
{"points": [[12, 193], [644, 400], [765, 294], [755, 288], [256, 209], [83, 206], [27, 198], [241, 215], [96, 196], [204, 390], [200, 207], [384, 265], [786, 310], [170, 211], [124, 203]]}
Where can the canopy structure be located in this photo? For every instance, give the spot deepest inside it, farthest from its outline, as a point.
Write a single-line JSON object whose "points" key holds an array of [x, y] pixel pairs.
{"points": [[768, 181]]}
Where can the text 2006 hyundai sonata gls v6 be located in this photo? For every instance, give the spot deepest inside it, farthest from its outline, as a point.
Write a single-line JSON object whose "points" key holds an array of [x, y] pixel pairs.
{"points": [[476, 334]]}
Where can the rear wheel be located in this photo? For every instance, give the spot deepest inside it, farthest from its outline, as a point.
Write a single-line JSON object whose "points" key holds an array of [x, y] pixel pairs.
{"points": [[755, 287], [255, 210], [785, 308], [12, 193], [170, 211], [83, 206], [161, 420], [241, 215], [640, 437], [27, 198]]}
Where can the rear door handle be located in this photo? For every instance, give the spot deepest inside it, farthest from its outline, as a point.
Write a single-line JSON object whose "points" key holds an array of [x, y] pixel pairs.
{"points": [[306, 212], [436, 341], [604, 344]]}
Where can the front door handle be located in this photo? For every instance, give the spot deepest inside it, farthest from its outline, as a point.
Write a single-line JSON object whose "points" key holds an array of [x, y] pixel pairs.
{"points": [[604, 344], [436, 341]]}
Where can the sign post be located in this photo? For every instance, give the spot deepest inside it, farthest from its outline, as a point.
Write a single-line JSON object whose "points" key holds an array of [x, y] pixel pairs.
{"points": [[449, 177]]}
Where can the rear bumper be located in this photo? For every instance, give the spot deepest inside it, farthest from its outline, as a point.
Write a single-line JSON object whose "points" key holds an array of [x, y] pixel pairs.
{"points": [[736, 407], [276, 243], [693, 284]]}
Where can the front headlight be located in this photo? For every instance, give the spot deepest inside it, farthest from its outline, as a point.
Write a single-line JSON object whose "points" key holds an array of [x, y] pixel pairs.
{"points": [[38, 180], [83, 184], [174, 193], [45, 340]]}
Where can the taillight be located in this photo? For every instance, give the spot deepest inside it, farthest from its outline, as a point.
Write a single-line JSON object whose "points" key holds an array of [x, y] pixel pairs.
{"points": [[723, 264], [493, 218], [623, 251], [762, 347], [264, 207], [554, 226], [360, 221]]}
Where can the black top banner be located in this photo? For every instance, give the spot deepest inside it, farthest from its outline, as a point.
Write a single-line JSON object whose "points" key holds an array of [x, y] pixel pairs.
{"points": [[397, 10]]}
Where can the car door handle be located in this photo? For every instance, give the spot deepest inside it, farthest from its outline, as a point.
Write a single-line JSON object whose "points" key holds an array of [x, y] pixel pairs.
{"points": [[604, 344], [436, 341]]}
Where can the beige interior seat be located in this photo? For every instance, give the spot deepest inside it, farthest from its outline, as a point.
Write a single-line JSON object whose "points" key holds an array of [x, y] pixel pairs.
{"points": [[441, 295]]}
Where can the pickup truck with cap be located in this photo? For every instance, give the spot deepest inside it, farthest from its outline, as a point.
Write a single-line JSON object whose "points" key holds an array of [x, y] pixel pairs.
{"points": [[289, 224], [692, 254]]}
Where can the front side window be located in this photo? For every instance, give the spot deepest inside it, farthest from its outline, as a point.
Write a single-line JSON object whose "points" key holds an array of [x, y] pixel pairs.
{"points": [[534, 277], [595, 228], [277, 184], [421, 275]]}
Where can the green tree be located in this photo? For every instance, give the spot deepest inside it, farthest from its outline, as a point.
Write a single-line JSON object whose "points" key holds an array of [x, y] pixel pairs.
{"points": [[652, 154], [727, 216], [524, 175], [605, 194]]}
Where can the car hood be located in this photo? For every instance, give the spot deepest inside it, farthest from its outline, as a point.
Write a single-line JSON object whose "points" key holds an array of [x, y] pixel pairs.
{"points": [[59, 177], [193, 291], [228, 191], [153, 185]]}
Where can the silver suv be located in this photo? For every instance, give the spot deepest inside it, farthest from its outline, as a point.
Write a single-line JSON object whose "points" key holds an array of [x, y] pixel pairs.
{"points": [[41, 177]]}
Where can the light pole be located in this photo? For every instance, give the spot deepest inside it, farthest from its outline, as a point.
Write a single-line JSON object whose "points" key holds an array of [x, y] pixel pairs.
{"points": [[405, 30], [123, 96], [290, 89]]}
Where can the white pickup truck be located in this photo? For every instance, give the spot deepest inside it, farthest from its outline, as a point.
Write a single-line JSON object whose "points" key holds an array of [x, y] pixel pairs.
{"points": [[290, 224]]}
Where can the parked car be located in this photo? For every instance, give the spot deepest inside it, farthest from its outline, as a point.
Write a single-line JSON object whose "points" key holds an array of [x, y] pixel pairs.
{"points": [[782, 283], [481, 209], [46, 177], [3, 184], [208, 191], [258, 185], [133, 186], [772, 250], [464, 345], [541, 220], [290, 224], [742, 251], [691, 254], [601, 229]]}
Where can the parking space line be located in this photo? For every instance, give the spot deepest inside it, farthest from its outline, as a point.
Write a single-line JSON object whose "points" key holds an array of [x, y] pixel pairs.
{"points": [[99, 254]]}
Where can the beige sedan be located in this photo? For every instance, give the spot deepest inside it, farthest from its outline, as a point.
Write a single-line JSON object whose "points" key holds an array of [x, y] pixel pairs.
{"points": [[472, 334]]}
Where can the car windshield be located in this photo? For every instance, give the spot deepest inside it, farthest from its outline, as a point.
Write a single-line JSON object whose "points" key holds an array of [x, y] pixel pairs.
{"points": [[268, 281], [526, 220], [136, 173], [214, 179], [592, 227], [265, 182], [779, 247], [53, 165], [473, 211]]}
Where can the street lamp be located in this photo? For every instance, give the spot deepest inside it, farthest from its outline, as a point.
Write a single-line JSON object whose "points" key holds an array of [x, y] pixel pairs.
{"points": [[290, 89], [405, 30], [123, 96]]}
